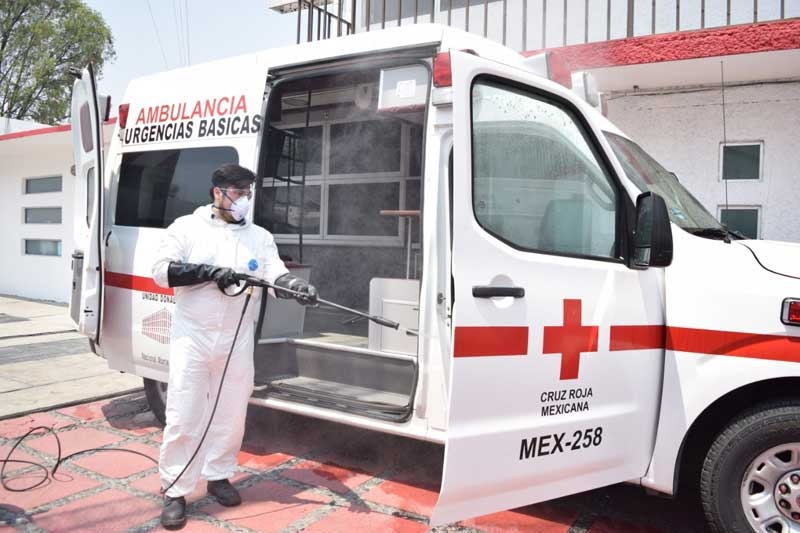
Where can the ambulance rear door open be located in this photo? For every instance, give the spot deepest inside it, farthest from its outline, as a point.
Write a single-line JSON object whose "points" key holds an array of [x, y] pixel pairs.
{"points": [[178, 127], [554, 383], [87, 258]]}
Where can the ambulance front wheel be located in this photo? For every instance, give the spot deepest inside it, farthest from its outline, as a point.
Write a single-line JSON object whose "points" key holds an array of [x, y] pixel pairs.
{"points": [[156, 393], [751, 474]]}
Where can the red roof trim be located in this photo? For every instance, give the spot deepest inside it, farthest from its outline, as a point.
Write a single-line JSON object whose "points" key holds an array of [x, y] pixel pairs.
{"points": [[729, 40], [38, 131], [44, 131]]}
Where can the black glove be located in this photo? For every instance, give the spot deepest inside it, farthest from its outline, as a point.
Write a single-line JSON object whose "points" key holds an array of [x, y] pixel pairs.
{"points": [[182, 274], [308, 292], [224, 277]]}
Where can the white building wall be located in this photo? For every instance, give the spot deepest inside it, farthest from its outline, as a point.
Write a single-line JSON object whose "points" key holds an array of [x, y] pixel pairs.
{"points": [[40, 155], [35, 276], [683, 131]]}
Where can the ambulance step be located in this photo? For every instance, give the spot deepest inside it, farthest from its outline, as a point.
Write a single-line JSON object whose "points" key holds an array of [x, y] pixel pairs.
{"points": [[320, 391]]}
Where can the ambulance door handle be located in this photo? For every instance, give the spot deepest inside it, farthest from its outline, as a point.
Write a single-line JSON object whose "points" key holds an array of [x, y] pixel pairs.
{"points": [[488, 291]]}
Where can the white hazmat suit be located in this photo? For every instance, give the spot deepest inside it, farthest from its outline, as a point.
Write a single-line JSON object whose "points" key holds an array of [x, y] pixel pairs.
{"points": [[203, 326]]}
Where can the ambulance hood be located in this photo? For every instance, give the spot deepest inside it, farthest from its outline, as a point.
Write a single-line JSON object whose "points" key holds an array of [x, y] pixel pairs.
{"points": [[776, 256]]}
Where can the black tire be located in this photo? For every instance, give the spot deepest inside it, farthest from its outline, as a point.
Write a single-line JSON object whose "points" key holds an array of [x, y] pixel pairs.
{"points": [[749, 435], [156, 393]]}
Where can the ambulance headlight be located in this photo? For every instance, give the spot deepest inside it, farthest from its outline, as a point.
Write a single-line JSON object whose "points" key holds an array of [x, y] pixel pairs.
{"points": [[790, 313]]}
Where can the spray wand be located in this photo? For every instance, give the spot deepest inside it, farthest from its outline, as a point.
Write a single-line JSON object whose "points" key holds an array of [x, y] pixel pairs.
{"points": [[381, 321]]}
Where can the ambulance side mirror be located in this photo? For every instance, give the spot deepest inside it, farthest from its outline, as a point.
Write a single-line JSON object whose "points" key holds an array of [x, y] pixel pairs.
{"points": [[652, 236]]}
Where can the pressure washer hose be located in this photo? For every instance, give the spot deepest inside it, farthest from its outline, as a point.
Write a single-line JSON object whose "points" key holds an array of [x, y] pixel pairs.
{"points": [[250, 282], [59, 460], [219, 391]]}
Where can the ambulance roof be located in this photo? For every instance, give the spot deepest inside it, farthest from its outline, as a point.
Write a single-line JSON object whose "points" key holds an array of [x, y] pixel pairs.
{"points": [[352, 45], [246, 73]]}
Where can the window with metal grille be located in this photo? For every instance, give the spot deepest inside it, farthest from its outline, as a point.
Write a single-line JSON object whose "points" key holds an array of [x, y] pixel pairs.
{"points": [[354, 169]]}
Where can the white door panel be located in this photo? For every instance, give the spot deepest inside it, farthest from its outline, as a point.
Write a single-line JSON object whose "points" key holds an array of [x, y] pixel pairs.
{"points": [[87, 143], [548, 397]]}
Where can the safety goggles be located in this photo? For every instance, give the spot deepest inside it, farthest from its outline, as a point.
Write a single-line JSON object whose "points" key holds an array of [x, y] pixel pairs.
{"points": [[235, 194]]}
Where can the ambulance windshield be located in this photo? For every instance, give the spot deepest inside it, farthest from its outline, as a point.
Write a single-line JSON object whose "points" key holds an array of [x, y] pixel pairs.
{"points": [[647, 174]]}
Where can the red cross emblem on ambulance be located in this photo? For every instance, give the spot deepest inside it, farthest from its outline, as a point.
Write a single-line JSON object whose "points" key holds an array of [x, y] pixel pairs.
{"points": [[570, 340]]}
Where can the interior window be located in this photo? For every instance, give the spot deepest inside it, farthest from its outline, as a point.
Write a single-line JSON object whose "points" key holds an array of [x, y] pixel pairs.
{"points": [[537, 183], [354, 208], [284, 202], [159, 186], [381, 136], [300, 146], [359, 159]]}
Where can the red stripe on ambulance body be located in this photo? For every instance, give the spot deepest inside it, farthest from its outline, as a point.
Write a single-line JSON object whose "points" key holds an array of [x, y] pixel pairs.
{"points": [[706, 341], [637, 338], [490, 341], [734, 344], [135, 283]]}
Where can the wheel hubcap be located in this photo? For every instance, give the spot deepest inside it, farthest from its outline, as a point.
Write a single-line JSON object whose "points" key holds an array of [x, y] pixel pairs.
{"points": [[771, 490]]}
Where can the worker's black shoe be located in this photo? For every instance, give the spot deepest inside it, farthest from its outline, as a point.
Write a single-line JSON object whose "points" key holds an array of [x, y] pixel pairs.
{"points": [[173, 516], [224, 493]]}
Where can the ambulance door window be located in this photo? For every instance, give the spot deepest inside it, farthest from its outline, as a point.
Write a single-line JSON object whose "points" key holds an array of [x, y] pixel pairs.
{"points": [[87, 143], [156, 187], [86, 128], [537, 182]]}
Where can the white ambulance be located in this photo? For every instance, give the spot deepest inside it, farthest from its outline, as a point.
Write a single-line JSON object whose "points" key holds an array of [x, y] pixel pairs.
{"points": [[571, 316]]}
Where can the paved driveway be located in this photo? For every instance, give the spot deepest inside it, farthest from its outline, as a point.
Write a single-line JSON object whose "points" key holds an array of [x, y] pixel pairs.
{"points": [[295, 474], [44, 363]]}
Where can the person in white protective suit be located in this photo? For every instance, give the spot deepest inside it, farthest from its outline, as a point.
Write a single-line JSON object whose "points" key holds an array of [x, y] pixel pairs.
{"points": [[199, 256]]}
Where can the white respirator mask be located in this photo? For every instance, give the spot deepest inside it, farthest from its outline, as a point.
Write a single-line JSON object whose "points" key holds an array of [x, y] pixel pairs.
{"points": [[240, 208]]}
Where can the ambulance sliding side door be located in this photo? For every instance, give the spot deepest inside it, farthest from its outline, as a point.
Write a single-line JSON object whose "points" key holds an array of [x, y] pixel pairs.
{"points": [[554, 383], [87, 258]]}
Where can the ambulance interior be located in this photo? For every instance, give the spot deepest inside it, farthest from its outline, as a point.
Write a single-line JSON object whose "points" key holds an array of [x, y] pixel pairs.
{"points": [[340, 174]]}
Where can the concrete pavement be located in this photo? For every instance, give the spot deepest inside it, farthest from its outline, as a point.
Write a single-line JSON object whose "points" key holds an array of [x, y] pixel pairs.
{"points": [[44, 363], [295, 474]]}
